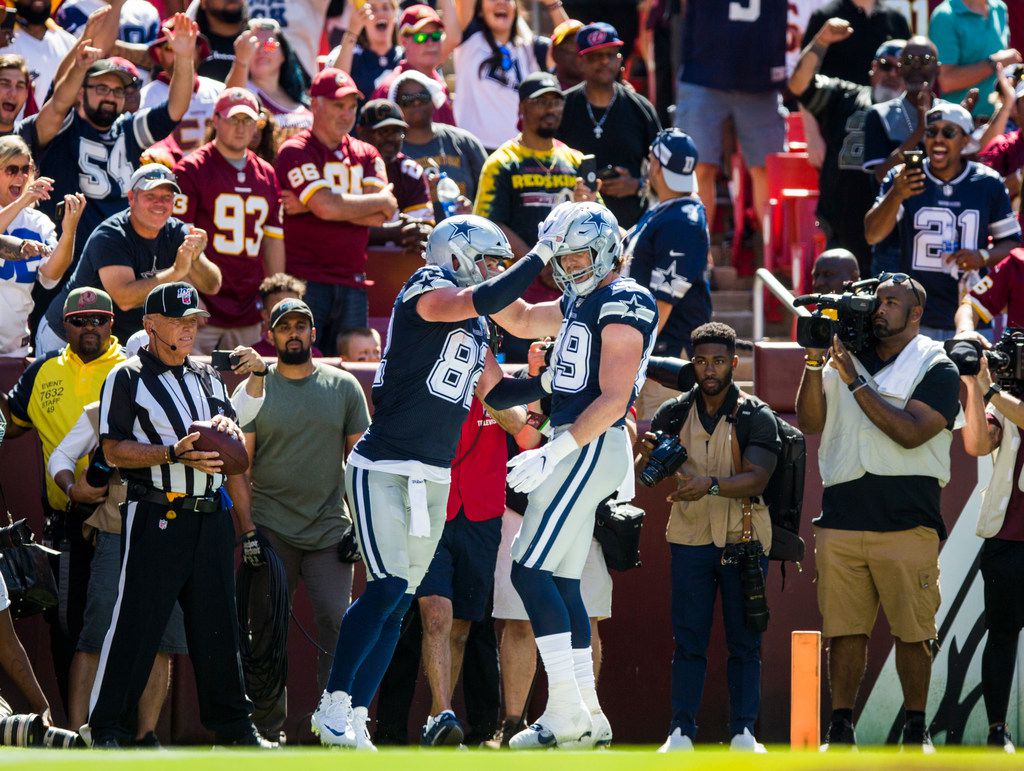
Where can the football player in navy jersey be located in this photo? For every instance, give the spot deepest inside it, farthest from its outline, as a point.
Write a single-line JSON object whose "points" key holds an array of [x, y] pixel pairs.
{"points": [[945, 213], [606, 327], [437, 358]]}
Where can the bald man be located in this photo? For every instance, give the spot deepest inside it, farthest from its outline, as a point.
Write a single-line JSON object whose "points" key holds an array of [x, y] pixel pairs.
{"points": [[833, 269]]}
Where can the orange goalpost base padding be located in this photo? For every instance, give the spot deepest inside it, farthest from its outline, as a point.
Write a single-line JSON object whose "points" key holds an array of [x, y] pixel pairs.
{"points": [[805, 691]]}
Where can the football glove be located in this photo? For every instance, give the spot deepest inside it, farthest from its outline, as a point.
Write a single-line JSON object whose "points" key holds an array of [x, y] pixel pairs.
{"points": [[348, 546], [252, 551], [529, 469]]}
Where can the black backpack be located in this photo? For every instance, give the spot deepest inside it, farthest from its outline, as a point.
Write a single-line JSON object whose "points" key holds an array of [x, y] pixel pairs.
{"points": [[784, 493]]}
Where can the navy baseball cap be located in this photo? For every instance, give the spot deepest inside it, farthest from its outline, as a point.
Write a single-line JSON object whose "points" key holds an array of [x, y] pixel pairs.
{"points": [[380, 113], [289, 305], [596, 36], [677, 155], [890, 48], [176, 300], [538, 84]]}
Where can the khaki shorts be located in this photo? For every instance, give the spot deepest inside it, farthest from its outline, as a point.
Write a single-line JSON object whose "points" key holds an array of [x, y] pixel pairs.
{"points": [[858, 570]]}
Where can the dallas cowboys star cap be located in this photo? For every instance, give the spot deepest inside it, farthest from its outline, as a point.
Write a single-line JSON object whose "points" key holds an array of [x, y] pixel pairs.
{"points": [[677, 155], [175, 300]]}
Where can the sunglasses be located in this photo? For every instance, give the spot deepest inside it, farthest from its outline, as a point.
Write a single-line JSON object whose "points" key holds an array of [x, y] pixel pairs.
{"points": [[88, 321], [407, 100], [919, 60], [13, 170], [900, 278], [949, 132], [506, 58], [422, 37]]}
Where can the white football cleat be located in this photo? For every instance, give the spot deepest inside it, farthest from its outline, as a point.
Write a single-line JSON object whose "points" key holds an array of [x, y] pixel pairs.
{"points": [[360, 731], [332, 720], [745, 742], [677, 742], [570, 730], [601, 734]]}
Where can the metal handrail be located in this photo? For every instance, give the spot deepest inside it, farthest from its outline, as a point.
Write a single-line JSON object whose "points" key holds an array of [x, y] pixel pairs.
{"points": [[764, 278]]}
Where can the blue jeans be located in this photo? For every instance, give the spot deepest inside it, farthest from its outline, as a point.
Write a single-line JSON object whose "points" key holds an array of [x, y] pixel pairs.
{"points": [[697, 574], [336, 308]]}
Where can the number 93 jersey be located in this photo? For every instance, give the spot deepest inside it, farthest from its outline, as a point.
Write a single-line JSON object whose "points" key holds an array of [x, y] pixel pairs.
{"points": [[426, 380], [577, 353]]}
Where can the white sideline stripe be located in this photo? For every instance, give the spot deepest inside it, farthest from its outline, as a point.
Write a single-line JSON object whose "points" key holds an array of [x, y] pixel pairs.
{"points": [[108, 638]]}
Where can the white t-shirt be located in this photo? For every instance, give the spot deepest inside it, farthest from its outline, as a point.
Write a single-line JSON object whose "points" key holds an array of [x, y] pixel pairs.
{"points": [[140, 21], [43, 56], [17, 280], [190, 132], [302, 22], [487, 103]]}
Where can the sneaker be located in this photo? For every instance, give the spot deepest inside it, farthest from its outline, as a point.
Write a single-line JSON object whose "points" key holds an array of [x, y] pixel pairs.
{"points": [[677, 742], [840, 735], [915, 736], [248, 738], [106, 743], [570, 730], [360, 732], [148, 741], [332, 720], [999, 737], [509, 728], [601, 735], [745, 742], [442, 730]]}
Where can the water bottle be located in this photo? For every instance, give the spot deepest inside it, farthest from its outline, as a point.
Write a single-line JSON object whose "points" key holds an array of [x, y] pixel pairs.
{"points": [[447, 194]]}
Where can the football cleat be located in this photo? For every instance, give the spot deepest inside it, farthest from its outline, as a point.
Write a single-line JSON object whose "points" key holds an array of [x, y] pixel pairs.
{"points": [[745, 742], [332, 720], [601, 734], [571, 730], [677, 742], [442, 730], [360, 731]]}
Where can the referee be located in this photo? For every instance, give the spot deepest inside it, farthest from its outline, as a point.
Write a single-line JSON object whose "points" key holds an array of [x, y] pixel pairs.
{"points": [[178, 535]]}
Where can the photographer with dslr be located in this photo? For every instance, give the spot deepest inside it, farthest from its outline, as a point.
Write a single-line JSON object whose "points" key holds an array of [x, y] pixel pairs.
{"points": [[1001, 524], [993, 295], [886, 417], [719, 531], [945, 209]]}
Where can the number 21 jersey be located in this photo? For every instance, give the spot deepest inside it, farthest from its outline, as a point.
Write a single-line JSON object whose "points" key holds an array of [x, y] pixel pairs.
{"points": [[426, 380]]}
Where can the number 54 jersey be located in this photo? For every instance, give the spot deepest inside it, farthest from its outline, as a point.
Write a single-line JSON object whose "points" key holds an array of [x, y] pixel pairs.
{"points": [[237, 208], [577, 354], [425, 382]]}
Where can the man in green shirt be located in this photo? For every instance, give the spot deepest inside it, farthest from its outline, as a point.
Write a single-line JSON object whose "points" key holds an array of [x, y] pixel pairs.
{"points": [[972, 37], [312, 416]]}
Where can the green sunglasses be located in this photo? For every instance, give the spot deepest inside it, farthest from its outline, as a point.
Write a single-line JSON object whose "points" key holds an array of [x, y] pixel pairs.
{"points": [[422, 37]]}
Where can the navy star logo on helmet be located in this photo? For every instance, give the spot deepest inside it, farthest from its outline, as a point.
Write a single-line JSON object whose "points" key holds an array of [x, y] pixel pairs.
{"points": [[596, 219], [462, 229]]}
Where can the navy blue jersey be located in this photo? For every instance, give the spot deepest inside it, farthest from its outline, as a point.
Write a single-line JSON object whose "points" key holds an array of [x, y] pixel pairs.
{"points": [[669, 250], [97, 163], [577, 355], [735, 45], [425, 382], [945, 217]]}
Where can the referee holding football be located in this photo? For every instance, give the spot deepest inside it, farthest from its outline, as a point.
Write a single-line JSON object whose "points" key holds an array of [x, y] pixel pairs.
{"points": [[178, 535]]}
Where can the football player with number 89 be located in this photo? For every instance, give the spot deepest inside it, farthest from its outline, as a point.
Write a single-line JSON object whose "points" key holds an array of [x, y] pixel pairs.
{"points": [[606, 327], [398, 474]]}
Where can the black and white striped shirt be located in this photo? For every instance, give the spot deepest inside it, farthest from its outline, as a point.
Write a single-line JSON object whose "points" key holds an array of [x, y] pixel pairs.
{"points": [[150, 402]]}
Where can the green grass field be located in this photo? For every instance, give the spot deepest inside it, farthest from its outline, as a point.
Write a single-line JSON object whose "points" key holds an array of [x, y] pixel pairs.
{"points": [[631, 759]]}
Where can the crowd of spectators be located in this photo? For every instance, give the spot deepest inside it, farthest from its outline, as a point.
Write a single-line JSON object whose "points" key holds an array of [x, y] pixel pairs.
{"points": [[260, 151]]}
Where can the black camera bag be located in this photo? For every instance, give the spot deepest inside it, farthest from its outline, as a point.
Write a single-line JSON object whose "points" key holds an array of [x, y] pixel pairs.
{"points": [[25, 566], [617, 529]]}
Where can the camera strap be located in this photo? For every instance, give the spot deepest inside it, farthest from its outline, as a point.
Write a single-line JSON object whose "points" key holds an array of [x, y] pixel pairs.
{"points": [[747, 523]]}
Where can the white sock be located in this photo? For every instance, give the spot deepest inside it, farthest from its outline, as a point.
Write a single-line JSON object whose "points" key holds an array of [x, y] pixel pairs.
{"points": [[583, 667], [556, 653]]}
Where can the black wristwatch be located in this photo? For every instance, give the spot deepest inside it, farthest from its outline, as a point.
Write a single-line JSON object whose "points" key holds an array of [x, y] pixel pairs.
{"points": [[857, 383], [263, 373], [993, 389], [713, 490]]}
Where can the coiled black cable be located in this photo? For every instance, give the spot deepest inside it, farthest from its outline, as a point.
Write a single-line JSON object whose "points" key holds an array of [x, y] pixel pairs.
{"points": [[263, 644]]}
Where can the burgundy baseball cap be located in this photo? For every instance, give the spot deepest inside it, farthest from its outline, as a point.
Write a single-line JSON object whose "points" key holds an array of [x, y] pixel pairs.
{"points": [[416, 17], [124, 69], [333, 83], [596, 36], [237, 101]]}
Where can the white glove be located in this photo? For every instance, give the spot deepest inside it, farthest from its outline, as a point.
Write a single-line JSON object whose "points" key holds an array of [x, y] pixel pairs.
{"points": [[551, 231], [529, 469]]}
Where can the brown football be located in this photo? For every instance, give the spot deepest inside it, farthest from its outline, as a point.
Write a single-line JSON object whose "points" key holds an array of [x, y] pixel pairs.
{"points": [[232, 452]]}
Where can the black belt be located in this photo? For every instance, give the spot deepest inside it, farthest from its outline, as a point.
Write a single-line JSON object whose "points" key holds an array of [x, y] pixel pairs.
{"points": [[202, 504]]}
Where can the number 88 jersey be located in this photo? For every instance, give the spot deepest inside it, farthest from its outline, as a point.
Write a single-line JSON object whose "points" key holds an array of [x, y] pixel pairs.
{"points": [[426, 380], [577, 354], [237, 208]]}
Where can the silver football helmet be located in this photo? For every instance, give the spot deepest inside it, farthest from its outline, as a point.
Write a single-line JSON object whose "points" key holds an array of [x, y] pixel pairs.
{"points": [[462, 243], [589, 226]]}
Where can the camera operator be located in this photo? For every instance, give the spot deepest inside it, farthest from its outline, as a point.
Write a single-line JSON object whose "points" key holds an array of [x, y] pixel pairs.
{"points": [[1001, 524], [1001, 290], [715, 514], [886, 419], [946, 210]]}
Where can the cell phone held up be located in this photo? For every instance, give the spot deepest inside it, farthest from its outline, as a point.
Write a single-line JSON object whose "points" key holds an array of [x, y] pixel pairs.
{"points": [[224, 361], [588, 171], [914, 159], [59, 210]]}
